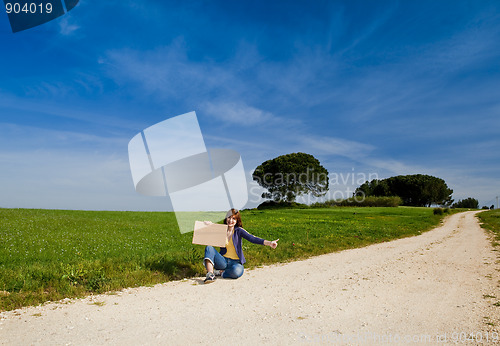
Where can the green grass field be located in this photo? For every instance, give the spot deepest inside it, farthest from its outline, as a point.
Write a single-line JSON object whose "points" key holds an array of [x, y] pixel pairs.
{"points": [[53, 254]]}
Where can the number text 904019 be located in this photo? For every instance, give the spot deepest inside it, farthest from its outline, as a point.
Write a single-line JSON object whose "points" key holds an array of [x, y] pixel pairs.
{"points": [[33, 8]]}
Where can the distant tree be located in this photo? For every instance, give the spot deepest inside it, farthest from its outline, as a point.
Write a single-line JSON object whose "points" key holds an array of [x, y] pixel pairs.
{"points": [[492, 206], [288, 176], [485, 207], [414, 190], [467, 203]]}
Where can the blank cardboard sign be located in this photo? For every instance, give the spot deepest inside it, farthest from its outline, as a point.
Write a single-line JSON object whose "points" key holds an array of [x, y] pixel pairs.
{"points": [[213, 234]]}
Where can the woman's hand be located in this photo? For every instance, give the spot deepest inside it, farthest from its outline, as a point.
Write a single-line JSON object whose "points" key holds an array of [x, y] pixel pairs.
{"points": [[208, 223], [273, 244]]}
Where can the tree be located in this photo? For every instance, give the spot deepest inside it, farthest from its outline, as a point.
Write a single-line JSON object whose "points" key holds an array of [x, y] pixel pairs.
{"points": [[470, 202], [414, 190], [288, 176]]}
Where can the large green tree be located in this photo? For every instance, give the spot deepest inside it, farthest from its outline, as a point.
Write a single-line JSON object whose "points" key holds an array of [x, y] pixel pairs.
{"points": [[288, 176], [414, 190]]}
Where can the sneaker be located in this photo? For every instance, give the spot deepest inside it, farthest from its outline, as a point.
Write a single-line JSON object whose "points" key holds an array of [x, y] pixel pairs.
{"points": [[210, 278], [218, 272]]}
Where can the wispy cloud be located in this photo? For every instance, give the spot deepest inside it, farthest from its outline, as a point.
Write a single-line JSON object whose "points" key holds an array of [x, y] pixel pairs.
{"points": [[15, 109], [25, 138], [67, 25], [389, 167], [323, 145], [166, 72], [236, 113], [369, 29]]}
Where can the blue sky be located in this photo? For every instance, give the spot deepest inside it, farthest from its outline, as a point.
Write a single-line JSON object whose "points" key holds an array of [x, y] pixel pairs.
{"points": [[368, 87]]}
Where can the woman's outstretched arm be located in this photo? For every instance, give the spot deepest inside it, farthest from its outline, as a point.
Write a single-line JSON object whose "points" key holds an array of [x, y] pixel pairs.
{"points": [[256, 240]]}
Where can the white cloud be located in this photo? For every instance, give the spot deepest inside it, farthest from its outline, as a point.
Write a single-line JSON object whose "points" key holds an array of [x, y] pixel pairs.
{"points": [[67, 26], [18, 137], [391, 167], [166, 71], [12, 106], [369, 29], [323, 145], [238, 113]]}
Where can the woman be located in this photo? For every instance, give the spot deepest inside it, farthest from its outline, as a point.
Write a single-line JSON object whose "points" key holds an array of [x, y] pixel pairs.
{"points": [[228, 263]]}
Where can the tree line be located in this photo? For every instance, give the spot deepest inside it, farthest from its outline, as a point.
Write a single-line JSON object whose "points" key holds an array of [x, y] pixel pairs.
{"points": [[289, 176], [416, 190]]}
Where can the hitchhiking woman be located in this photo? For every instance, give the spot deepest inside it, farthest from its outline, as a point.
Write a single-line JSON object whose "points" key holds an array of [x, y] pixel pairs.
{"points": [[228, 263]]}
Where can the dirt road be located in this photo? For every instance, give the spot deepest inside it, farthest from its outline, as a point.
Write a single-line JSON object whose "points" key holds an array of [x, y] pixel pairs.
{"points": [[429, 288]]}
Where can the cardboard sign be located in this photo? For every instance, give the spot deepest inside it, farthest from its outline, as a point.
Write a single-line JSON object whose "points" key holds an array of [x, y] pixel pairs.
{"points": [[213, 234]]}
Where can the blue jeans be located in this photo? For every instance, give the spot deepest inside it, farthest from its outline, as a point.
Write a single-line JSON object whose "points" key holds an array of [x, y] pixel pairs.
{"points": [[233, 269]]}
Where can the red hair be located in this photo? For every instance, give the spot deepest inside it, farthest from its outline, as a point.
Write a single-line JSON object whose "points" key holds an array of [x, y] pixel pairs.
{"points": [[235, 213]]}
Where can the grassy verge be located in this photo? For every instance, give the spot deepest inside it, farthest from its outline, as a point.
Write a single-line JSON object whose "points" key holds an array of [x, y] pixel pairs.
{"points": [[491, 221], [53, 254]]}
